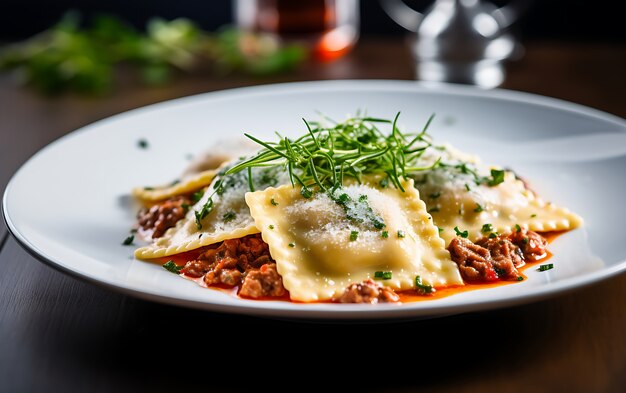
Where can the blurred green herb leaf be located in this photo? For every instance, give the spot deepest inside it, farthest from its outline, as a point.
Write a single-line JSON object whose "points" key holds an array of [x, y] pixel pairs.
{"points": [[71, 57]]}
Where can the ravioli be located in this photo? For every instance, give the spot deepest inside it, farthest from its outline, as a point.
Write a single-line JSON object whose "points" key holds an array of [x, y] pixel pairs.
{"points": [[320, 246], [229, 217], [189, 184], [458, 195]]}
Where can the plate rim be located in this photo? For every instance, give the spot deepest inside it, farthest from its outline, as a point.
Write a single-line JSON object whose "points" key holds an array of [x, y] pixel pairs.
{"points": [[343, 312]]}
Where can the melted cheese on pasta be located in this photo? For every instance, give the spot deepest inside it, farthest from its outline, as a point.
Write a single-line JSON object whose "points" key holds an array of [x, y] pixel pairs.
{"points": [[229, 219], [318, 255], [455, 199]]}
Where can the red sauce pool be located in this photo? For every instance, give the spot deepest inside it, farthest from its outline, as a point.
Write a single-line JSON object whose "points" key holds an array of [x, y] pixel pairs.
{"points": [[405, 296]]}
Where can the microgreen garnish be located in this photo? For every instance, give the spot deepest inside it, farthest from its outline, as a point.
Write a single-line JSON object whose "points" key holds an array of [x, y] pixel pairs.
{"points": [[421, 288], [486, 228], [354, 235], [171, 267], [400, 234], [129, 240], [325, 156], [543, 268], [478, 208], [458, 232]]}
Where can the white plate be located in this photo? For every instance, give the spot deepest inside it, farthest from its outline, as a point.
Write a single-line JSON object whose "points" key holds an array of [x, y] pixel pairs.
{"points": [[67, 204]]}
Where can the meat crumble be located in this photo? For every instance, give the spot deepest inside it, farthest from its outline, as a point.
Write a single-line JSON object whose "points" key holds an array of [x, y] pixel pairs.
{"points": [[499, 257], [368, 291], [245, 263], [157, 219]]}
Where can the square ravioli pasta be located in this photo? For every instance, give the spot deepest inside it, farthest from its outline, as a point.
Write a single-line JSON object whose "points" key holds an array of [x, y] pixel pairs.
{"points": [[324, 243]]}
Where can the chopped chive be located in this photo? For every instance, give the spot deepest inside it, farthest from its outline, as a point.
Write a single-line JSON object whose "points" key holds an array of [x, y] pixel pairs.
{"points": [[467, 187], [378, 274], [478, 208], [129, 240], [493, 235], [421, 288], [463, 234], [385, 234], [400, 234], [229, 216], [387, 275], [273, 202], [383, 275], [171, 267], [543, 268], [354, 235], [486, 228], [497, 177]]}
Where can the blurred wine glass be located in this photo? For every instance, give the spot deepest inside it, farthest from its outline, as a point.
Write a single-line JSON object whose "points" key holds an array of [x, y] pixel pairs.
{"points": [[328, 28]]}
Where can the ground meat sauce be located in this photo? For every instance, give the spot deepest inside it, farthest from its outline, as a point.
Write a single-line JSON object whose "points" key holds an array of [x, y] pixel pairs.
{"points": [[497, 258], [244, 263], [368, 291], [154, 221]]}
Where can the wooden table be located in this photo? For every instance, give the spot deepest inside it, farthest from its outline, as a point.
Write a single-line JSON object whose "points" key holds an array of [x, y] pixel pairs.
{"points": [[61, 334]]}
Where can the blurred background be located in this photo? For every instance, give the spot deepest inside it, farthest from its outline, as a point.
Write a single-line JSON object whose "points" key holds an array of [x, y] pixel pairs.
{"points": [[563, 20]]}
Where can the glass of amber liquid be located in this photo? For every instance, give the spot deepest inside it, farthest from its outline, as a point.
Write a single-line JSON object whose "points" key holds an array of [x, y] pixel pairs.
{"points": [[329, 28]]}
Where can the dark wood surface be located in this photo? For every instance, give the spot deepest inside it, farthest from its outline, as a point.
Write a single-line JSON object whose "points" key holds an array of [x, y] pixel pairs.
{"points": [[61, 334]]}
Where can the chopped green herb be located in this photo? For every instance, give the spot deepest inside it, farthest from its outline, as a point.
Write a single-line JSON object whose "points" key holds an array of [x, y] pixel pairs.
{"points": [[440, 229], [543, 268], [520, 278], [229, 216], [142, 143], [185, 207], [306, 192], [486, 228], [525, 240], [171, 267], [292, 245], [271, 226], [458, 232], [273, 202], [196, 196], [467, 187], [378, 274], [354, 235], [493, 235], [533, 215], [421, 288], [148, 188], [435, 195], [400, 234], [363, 198], [518, 228], [387, 275], [204, 211], [129, 240], [384, 183], [385, 234], [497, 177], [478, 208], [383, 275]]}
